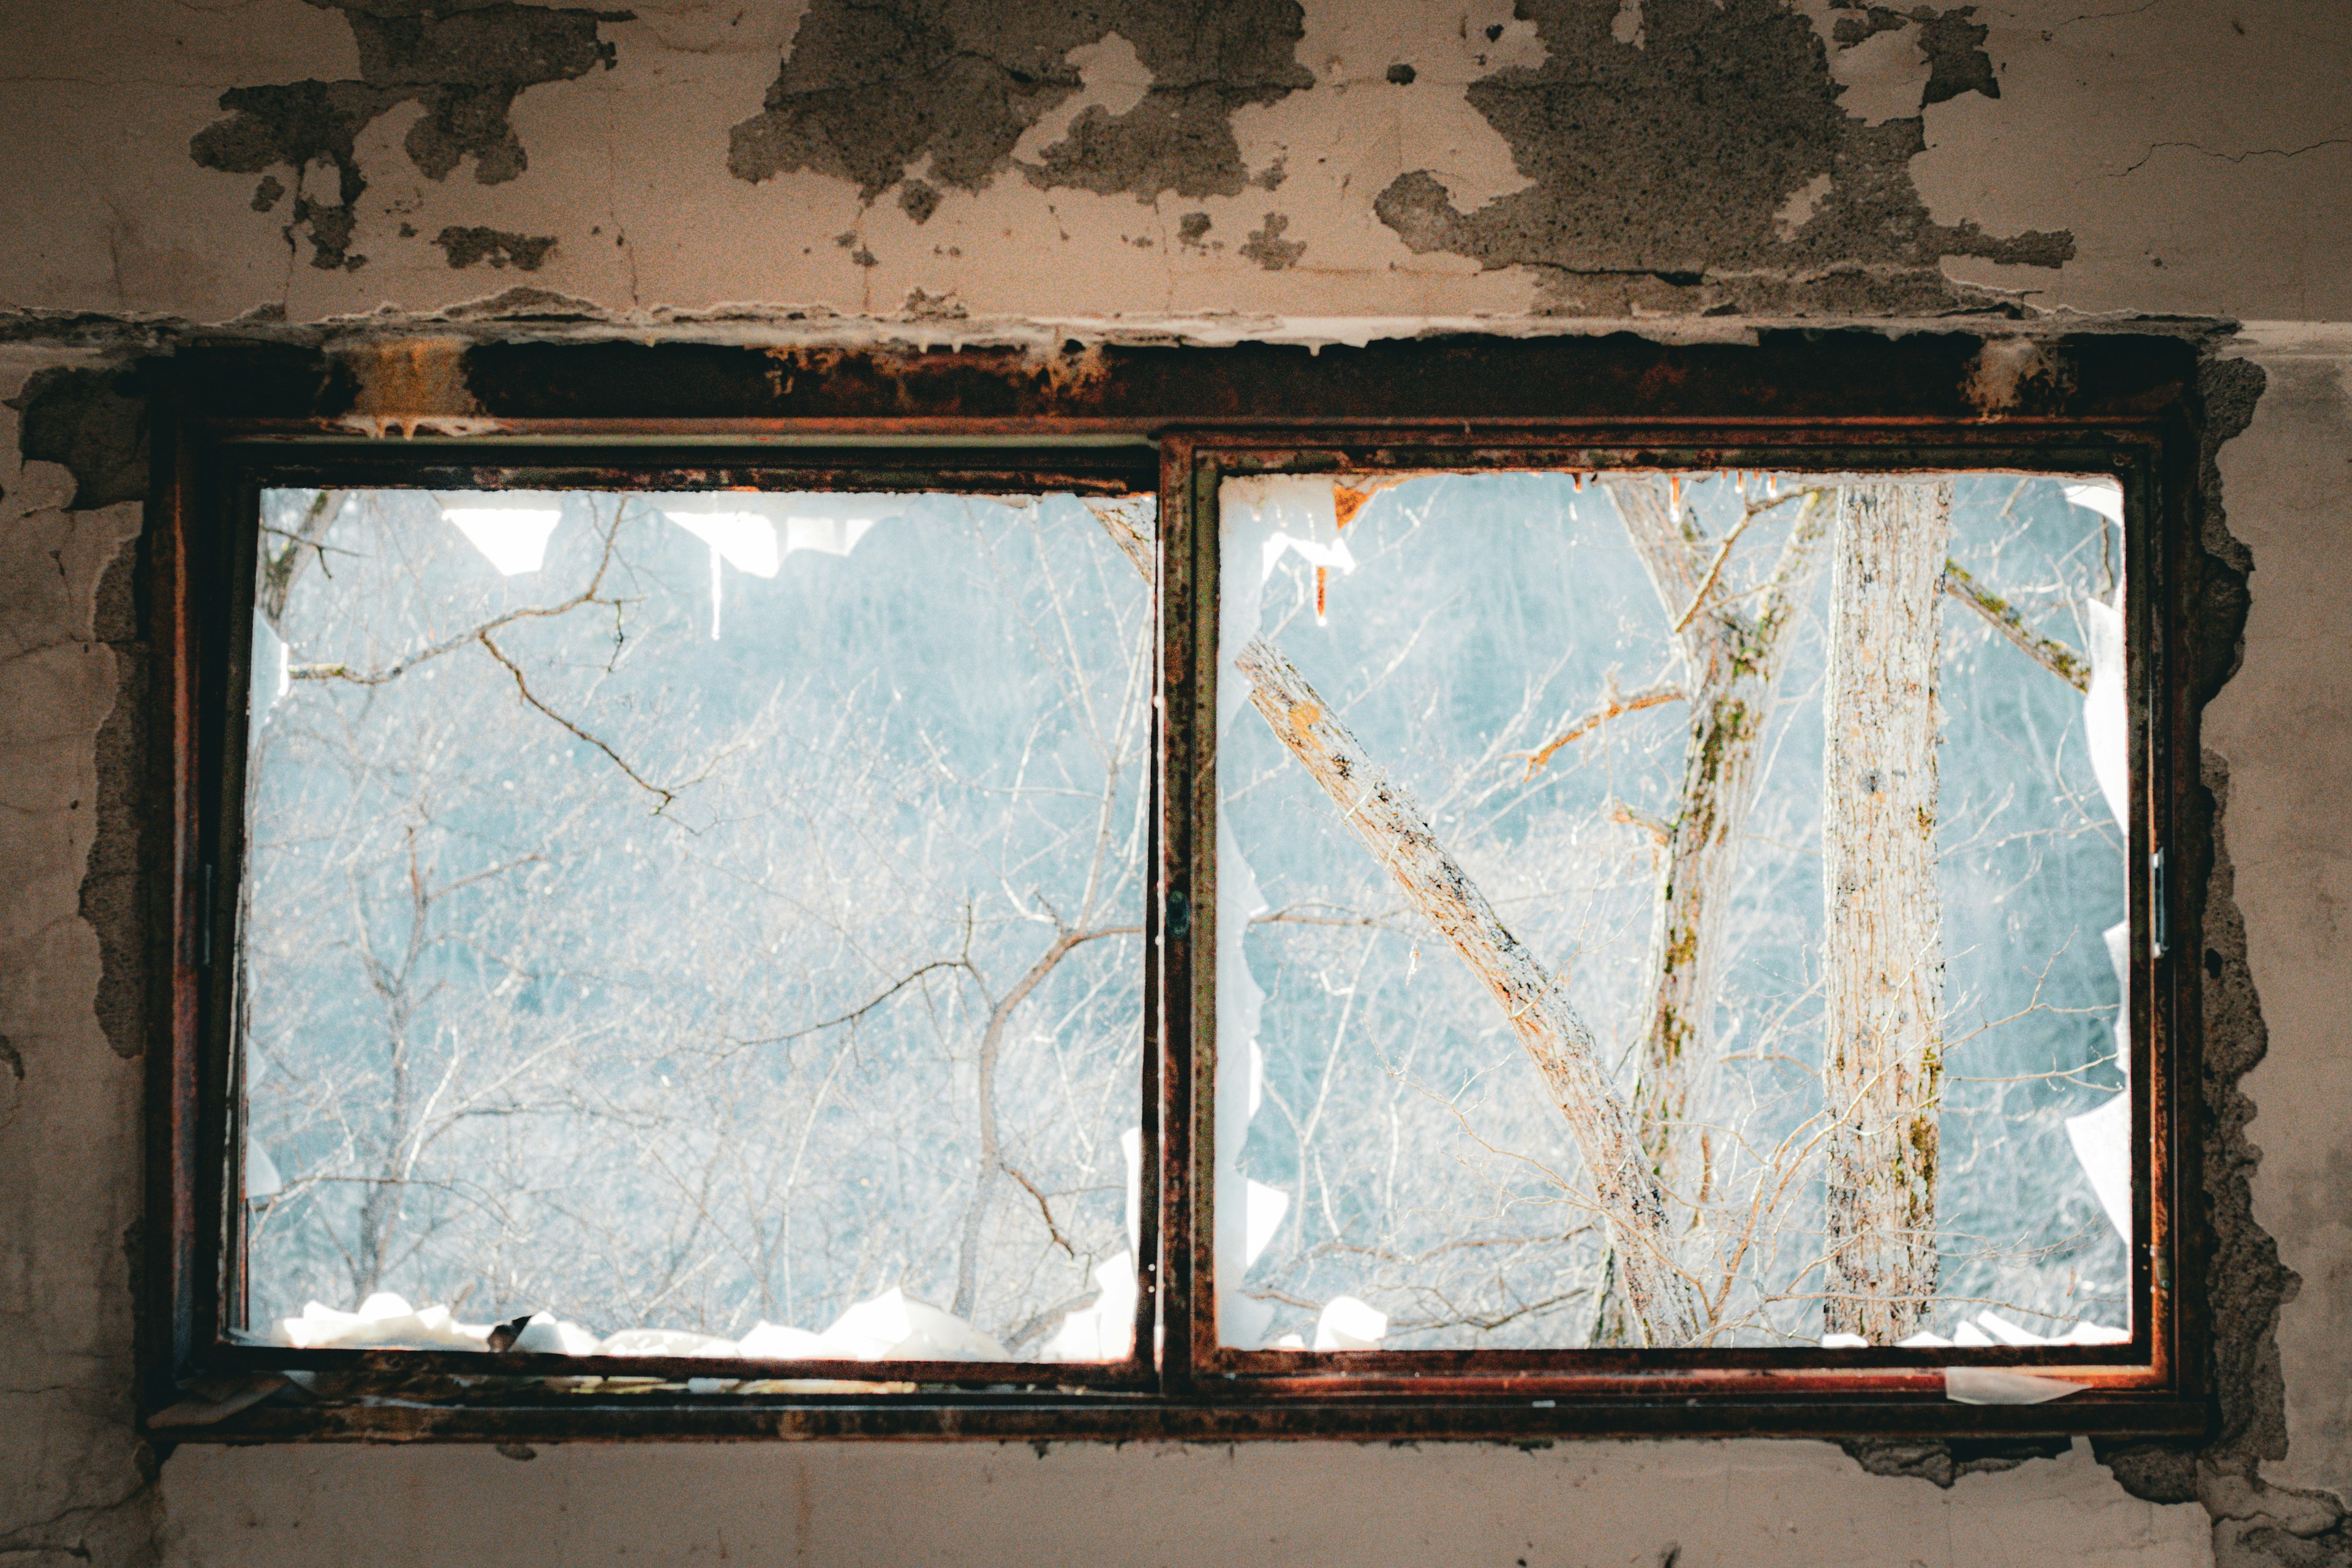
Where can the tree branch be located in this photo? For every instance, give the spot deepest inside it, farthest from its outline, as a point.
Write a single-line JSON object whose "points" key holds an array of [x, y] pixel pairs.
{"points": [[2048, 652], [1715, 567], [1613, 706], [668, 798], [1556, 1038]]}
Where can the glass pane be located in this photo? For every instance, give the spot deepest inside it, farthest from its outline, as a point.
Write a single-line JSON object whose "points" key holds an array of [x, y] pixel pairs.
{"points": [[1671, 912], [696, 924]]}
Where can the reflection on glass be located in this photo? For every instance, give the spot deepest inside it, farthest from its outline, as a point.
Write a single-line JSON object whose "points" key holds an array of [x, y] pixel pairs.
{"points": [[695, 925], [1664, 911]]}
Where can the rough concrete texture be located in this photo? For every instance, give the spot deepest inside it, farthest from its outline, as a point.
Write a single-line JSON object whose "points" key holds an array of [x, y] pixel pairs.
{"points": [[1224, 170], [2291, 839], [78, 1481]]}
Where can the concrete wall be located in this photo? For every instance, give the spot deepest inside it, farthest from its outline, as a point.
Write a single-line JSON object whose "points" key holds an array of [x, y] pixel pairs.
{"points": [[1221, 169]]}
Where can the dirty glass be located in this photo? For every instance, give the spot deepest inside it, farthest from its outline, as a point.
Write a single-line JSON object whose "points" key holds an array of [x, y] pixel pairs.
{"points": [[1671, 910], [695, 924]]}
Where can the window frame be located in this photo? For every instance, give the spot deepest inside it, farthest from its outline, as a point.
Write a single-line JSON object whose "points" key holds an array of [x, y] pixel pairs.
{"points": [[2146, 1361], [711, 416]]}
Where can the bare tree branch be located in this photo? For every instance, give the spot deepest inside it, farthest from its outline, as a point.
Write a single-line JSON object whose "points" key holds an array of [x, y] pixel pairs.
{"points": [[1556, 1038], [1613, 706], [2048, 652], [669, 797]]}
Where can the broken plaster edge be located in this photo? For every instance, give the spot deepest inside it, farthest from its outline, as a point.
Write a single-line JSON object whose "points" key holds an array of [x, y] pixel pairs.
{"points": [[540, 315]]}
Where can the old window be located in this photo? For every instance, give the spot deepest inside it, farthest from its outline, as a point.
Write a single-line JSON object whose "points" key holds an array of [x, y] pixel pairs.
{"points": [[1169, 922], [715, 918], [1672, 910]]}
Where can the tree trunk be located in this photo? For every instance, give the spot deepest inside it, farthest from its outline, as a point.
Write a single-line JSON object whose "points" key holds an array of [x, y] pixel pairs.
{"points": [[1556, 1039], [1883, 950], [1731, 663]]}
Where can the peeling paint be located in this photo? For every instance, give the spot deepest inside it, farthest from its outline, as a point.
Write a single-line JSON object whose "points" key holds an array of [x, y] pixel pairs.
{"points": [[869, 88], [94, 423], [1952, 45], [1266, 246], [465, 64], [1661, 166], [1957, 62], [466, 246]]}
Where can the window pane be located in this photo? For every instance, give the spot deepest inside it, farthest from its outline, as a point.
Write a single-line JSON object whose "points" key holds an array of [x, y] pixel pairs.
{"points": [[1671, 912], [701, 924]]}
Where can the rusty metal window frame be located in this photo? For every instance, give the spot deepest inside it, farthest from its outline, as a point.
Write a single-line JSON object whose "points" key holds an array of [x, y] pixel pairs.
{"points": [[588, 416], [2148, 1361]]}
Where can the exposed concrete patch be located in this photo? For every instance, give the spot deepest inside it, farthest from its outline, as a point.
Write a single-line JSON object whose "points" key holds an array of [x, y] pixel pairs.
{"points": [[919, 200], [1957, 62], [93, 423], [466, 246], [464, 63], [79, 1485], [1661, 167], [1944, 1463], [1952, 44], [869, 88], [1266, 246]]}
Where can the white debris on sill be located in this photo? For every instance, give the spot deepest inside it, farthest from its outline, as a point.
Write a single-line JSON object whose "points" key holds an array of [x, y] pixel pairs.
{"points": [[1989, 1328], [385, 1321], [2009, 1333], [1349, 1324], [2003, 1385], [892, 1326], [1105, 1331], [895, 1327], [666, 1341]]}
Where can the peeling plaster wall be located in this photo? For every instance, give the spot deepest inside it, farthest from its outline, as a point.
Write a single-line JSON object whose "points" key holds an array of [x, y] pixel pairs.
{"points": [[1223, 168]]}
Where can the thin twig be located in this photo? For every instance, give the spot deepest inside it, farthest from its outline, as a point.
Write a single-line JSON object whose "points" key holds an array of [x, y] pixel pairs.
{"points": [[1611, 706], [1030, 1187], [1723, 552], [668, 798]]}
